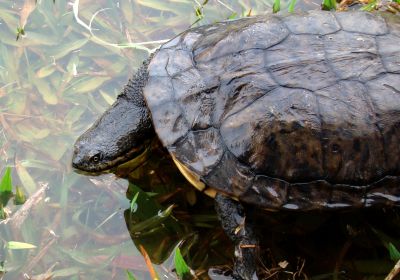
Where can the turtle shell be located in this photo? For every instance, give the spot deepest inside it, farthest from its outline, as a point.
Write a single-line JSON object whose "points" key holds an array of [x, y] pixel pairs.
{"points": [[298, 112]]}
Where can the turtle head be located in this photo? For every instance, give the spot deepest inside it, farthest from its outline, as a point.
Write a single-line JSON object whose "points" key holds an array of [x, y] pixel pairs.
{"points": [[121, 134]]}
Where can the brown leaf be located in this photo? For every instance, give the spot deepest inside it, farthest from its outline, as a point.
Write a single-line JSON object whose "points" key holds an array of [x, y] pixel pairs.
{"points": [[27, 9], [149, 264]]}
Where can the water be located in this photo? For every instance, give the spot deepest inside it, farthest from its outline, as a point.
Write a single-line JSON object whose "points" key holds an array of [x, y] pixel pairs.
{"points": [[54, 82]]}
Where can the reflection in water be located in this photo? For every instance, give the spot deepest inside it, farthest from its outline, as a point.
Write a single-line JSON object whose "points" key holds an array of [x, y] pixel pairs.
{"points": [[158, 186], [311, 243]]}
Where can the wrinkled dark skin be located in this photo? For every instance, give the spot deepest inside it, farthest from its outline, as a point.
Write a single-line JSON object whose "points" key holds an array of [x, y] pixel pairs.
{"points": [[120, 134]]}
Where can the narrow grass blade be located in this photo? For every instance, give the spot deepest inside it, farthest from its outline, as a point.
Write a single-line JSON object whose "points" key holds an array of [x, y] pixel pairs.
{"points": [[15, 245], [181, 267], [130, 275], [370, 7], [134, 205], [393, 252], [277, 6], [291, 6], [152, 221], [6, 181]]}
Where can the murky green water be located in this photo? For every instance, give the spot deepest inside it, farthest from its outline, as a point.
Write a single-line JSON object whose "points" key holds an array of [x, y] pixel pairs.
{"points": [[54, 82]]}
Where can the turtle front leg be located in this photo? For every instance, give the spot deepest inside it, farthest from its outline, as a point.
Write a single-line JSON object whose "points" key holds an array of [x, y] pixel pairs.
{"points": [[233, 219]]}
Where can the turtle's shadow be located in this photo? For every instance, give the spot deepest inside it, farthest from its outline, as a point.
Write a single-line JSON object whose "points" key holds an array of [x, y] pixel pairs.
{"points": [[314, 243]]}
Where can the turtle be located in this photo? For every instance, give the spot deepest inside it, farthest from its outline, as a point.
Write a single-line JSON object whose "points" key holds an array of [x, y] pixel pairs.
{"points": [[293, 112]]}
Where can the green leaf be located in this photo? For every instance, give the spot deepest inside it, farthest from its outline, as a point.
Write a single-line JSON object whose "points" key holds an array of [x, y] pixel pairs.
{"points": [[328, 5], [6, 181], [134, 205], [67, 48], [48, 94], [46, 71], [291, 6], [181, 267], [9, 18], [35, 163], [199, 13], [74, 115], [89, 84], [233, 16], [39, 39], [15, 245], [66, 273], [20, 197], [130, 275], [277, 6], [110, 100], [5, 191], [393, 252], [371, 6], [20, 32], [3, 214], [26, 179], [152, 221]]}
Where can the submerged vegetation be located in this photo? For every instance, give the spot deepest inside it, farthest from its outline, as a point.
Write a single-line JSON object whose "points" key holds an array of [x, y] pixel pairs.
{"points": [[6, 193], [62, 67]]}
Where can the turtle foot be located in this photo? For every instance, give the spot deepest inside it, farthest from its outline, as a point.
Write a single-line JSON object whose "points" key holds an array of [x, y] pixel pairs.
{"points": [[233, 220]]}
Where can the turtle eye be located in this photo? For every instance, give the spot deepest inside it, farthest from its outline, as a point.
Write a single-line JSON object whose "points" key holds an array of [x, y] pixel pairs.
{"points": [[96, 158]]}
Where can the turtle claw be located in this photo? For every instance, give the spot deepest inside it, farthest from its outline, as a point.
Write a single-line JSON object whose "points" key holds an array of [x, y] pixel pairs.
{"points": [[233, 220]]}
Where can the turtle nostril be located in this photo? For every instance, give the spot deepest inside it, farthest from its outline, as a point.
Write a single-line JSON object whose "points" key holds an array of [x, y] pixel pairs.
{"points": [[76, 160]]}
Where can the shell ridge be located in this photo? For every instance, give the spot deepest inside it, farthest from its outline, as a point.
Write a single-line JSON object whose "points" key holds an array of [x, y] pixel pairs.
{"points": [[388, 59], [338, 22], [364, 20], [240, 183], [294, 201], [181, 112], [246, 106], [176, 101], [328, 61], [384, 191], [203, 177], [226, 116]]}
